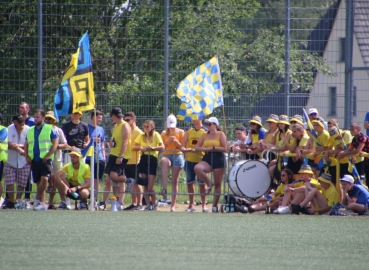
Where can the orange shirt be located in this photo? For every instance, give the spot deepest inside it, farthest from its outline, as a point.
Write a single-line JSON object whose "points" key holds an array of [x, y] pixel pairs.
{"points": [[173, 147]]}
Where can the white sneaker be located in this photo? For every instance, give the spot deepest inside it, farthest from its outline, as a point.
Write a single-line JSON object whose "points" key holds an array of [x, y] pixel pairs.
{"points": [[205, 210], [276, 211], [1, 201], [284, 210], [35, 201], [40, 207], [214, 209], [68, 203]]}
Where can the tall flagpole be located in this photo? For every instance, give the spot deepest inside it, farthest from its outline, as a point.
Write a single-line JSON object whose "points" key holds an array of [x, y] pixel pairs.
{"points": [[92, 164]]}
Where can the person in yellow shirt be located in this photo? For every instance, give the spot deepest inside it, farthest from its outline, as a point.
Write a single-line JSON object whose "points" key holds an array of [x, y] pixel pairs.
{"points": [[190, 139], [149, 143], [73, 181], [255, 136], [324, 200]]}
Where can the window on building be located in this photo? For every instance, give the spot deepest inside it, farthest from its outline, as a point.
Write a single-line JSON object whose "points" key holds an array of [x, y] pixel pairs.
{"points": [[333, 100], [342, 50]]}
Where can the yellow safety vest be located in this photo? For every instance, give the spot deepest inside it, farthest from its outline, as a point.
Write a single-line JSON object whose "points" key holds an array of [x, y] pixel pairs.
{"points": [[81, 172], [4, 147], [44, 142]]}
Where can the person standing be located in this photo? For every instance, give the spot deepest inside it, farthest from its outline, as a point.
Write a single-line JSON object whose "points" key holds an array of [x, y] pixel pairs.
{"points": [[16, 168], [41, 144], [190, 139], [97, 135], [58, 156], [172, 157], [120, 152], [76, 131], [3, 152], [131, 167], [214, 144]]}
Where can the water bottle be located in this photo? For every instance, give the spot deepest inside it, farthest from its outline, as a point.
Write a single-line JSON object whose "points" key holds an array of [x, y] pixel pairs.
{"points": [[232, 207], [75, 195], [269, 199], [366, 209], [227, 204]]}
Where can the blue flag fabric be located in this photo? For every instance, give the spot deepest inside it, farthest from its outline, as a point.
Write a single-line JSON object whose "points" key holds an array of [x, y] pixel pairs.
{"points": [[200, 92], [76, 90]]}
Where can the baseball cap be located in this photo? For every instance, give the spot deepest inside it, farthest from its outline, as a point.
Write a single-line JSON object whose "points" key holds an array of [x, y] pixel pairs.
{"points": [[18, 118], [117, 112], [212, 120], [171, 121], [347, 178], [312, 110]]}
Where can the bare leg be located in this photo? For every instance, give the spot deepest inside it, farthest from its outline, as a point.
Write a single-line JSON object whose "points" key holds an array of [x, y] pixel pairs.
{"points": [[165, 164], [151, 190], [175, 176], [41, 188], [20, 191], [203, 196], [191, 192], [107, 189], [218, 177], [201, 169], [10, 190]]}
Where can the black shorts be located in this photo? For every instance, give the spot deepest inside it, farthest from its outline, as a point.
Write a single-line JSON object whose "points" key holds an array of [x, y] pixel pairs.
{"points": [[148, 165], [101, 168], [111, 166], [294, 166], [1, 169], [215, 159], [40, 169], [70, 196], [130, 171]]}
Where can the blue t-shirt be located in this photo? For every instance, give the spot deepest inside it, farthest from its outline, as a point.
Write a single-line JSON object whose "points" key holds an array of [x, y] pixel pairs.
{"points": [[360, 193], [99, 132], [3, 134], [36, 148], [367, 120], [30, 121]]}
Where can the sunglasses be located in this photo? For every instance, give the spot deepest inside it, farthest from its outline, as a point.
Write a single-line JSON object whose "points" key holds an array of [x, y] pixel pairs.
{"points": [[209, 124], [127, 119], [283, 174], [313, 114], [293, 122], [147, 126], [48, 118], [252, 124]]}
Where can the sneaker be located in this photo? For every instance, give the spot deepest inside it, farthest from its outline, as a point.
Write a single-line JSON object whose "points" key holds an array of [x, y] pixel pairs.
{"points": [[120, 206], [40, 207], [276, 211], [147, 208], [296, 209], [1, 202], [284, 210], [214, 209], [27, 205], [129, 207], [190, 210], [18, 205], [102, 206], [138, 207], [153, 208], [9, 205], [83, 206], [63, 206], [205, 210], [51, 207], [36, 202], [240, 208]]}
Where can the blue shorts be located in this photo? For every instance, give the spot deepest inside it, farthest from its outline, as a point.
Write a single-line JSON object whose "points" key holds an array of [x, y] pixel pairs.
{"points": [[191, 176], [175, 160]]}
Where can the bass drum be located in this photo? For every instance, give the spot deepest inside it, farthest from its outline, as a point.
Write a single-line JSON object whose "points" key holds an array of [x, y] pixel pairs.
{"points": [[249, 178]]}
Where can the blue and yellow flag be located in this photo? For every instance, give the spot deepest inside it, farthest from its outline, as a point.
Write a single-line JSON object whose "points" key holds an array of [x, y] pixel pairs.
{"points": [[76, 90], [200, 92]]}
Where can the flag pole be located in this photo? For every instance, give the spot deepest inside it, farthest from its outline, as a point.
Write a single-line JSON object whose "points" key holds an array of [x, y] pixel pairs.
{"points": [[92, 164]]}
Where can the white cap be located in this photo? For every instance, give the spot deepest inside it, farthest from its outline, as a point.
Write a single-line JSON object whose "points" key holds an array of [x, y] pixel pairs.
{"points": [[312, 110], [347, 178], [171, 121], [212, 120]]}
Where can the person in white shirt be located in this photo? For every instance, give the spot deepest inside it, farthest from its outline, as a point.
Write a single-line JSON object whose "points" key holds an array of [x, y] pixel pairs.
{"points": [[242, 143], [16, 168]]}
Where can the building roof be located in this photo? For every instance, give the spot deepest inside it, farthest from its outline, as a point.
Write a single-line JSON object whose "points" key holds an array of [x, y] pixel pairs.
{"points": [[361, 27]]}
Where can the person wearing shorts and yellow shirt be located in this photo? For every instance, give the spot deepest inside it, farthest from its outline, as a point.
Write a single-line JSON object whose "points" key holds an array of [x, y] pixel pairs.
{"points": [[255, 136], [190, 139], [73, 181]]}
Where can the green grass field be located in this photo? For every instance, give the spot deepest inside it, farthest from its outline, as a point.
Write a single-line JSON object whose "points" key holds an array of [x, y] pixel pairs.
{"points": [[164, 240]]}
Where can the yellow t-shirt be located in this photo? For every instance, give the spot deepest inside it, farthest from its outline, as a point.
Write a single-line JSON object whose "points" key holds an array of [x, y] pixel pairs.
{"points": [[280, 141], [334, 141], [331, 195], [173, 147], [155, 142], [118, 139], [74, 180], [280, 189], [323, 140], [213, 142], [313, 182], [135, 159], [193, 137]]}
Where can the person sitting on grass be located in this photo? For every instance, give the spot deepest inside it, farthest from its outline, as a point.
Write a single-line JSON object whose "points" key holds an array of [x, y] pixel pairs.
{"points": [[355, 197], [73, 181], [324, 201], [277, 197], [296, 190]]}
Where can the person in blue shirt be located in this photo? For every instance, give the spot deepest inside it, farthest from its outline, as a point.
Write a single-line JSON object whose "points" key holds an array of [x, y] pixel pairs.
{"points": [[41, 144], [24, 109], [355, 197], [366, 123]]}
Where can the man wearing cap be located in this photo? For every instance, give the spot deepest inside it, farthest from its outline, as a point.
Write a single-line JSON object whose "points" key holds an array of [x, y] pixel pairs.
{"points": [[355, 197], [120, 152], [359, 144], [16, 168], [76, 131], [189, 142], [324, 200], [58, 156], [313, 114], [296, 190], [41, 144], [73, 181], [3, 152]]}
